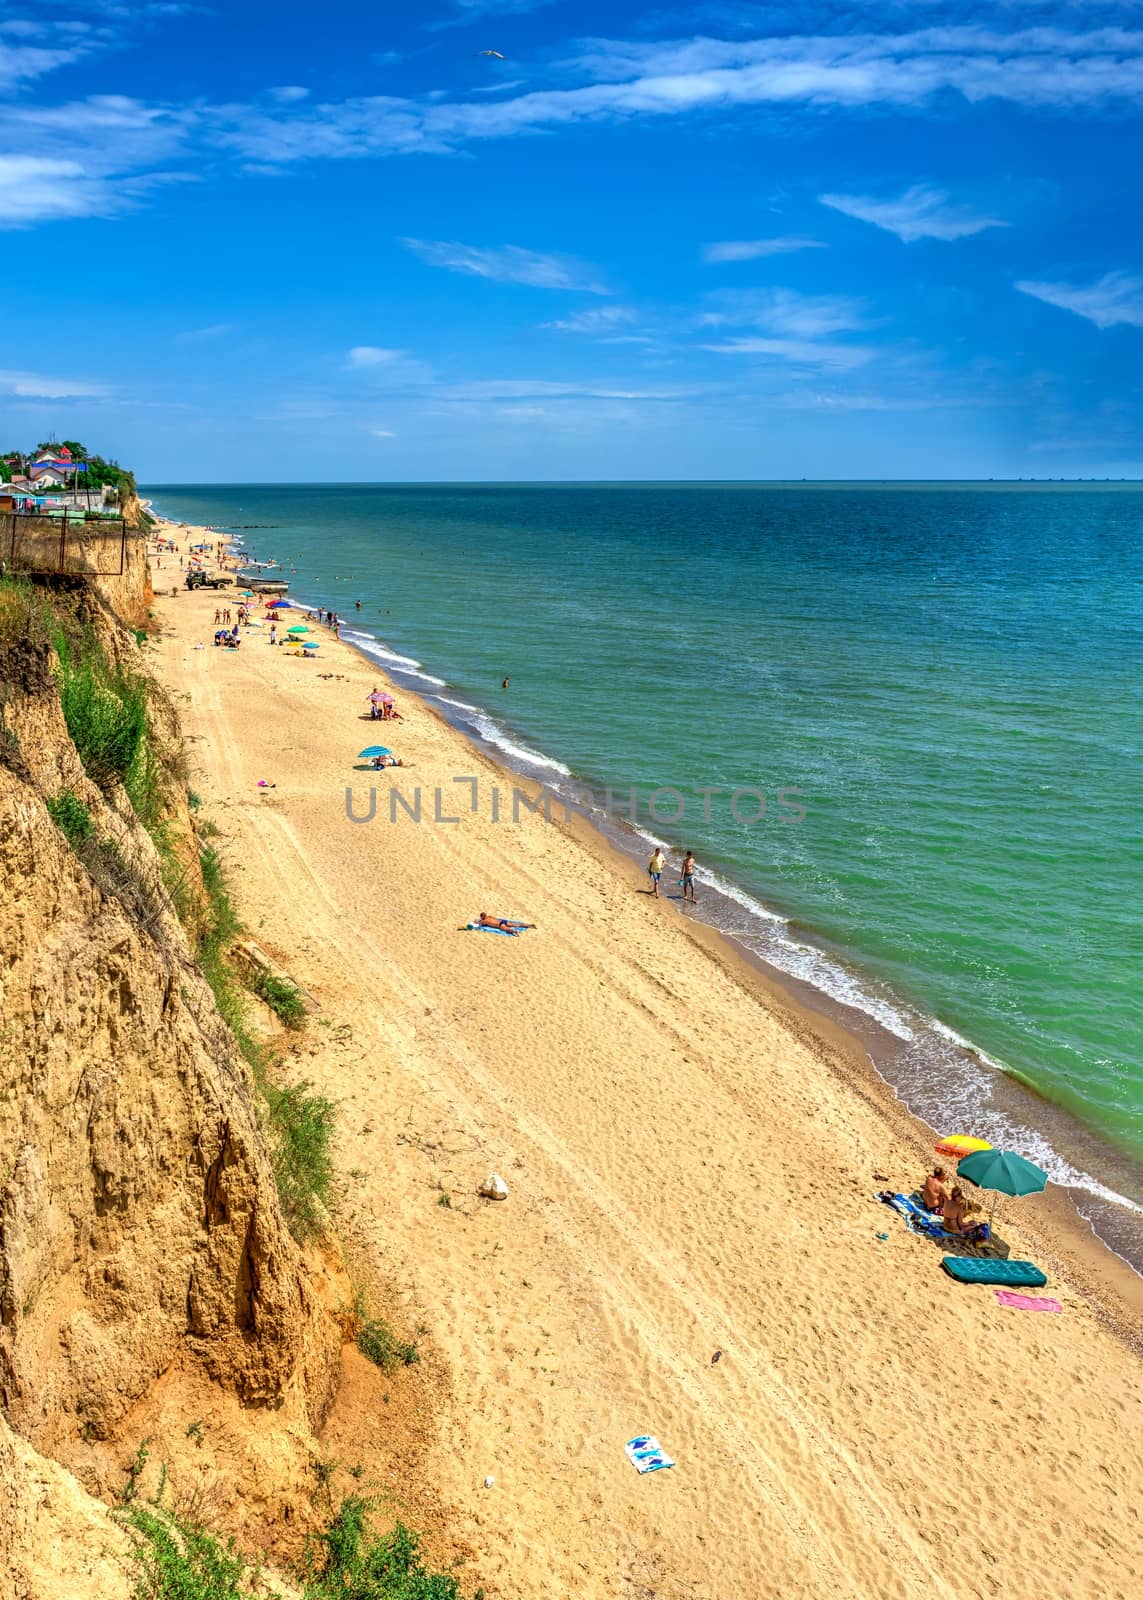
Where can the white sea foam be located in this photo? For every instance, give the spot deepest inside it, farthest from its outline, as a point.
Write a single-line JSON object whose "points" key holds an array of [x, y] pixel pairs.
{"points": [[494, 734]]}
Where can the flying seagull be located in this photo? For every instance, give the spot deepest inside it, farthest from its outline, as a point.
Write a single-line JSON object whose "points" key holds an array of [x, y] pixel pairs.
{"points": [[495, 53]]}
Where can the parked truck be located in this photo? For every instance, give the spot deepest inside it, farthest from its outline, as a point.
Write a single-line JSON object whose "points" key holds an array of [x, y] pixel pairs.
{"points": [[207, 580]]}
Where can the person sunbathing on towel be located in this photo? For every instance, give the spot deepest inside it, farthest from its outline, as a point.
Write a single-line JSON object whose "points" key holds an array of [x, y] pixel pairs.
{"points": [[956, 1217], [502, 923], [381, 762], [935, 1194]]}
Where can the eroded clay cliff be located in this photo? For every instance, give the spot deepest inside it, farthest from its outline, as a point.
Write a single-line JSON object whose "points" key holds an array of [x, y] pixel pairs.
{"points": [[140, 1231]]}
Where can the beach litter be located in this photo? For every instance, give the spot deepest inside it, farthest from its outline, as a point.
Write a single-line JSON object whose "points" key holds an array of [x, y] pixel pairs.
{"points": [[493, 1187], [646, 1454], [489, 1481]]}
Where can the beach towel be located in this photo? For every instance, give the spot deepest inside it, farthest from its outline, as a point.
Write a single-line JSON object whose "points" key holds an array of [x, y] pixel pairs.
{"points": [[483, 927], [1025, 1302], [1011, 1274], [646, 1454], [919, 1219]]}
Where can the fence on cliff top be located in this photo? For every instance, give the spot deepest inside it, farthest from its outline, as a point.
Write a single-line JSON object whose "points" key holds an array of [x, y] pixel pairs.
{"points": [[30, 543]]}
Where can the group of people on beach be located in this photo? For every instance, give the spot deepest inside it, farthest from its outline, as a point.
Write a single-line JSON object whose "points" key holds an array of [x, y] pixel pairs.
{"points": [[656, 867], [951, 1204]]}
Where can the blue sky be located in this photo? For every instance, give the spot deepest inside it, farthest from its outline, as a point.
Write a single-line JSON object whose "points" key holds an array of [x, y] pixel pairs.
{"points": [[262, 242]]}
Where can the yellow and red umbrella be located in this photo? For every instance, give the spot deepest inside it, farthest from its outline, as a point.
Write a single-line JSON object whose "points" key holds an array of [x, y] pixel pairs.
{"points": [[958, 1145]]}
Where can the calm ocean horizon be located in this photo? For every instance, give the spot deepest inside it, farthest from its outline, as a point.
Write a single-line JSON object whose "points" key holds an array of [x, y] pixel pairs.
{"points": [[903, 722]]}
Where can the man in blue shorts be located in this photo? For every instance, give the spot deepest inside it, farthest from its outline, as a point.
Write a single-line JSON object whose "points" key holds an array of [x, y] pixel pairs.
{"points": [[688, 879]]}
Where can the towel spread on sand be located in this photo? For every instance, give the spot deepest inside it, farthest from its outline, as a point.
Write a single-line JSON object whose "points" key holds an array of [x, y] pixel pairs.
{"points": [[484, 927], [646, 1454], [1026, 1302]]}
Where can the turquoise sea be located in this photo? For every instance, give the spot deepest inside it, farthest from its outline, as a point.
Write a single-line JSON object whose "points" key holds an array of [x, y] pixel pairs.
{"points": [[948, 675]]}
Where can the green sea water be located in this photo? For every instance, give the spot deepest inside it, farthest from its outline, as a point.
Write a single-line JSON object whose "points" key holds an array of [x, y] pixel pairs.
{"points": [[946, 679]]}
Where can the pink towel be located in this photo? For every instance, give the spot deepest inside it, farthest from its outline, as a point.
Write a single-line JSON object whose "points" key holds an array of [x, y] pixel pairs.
{"points": [[1026, 1302]]}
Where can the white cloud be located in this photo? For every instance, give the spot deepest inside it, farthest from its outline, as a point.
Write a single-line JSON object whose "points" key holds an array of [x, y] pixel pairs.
{"points": [[34, 386], [920, 213], [546, 389], [597, 320], [41, 189], [798, 328], [755, 249], [510, 264], [802, 352], [1114, 300], [371, 355], [110, 137], [382, 433], [787, 312], [1032, 67], [289, 93], [26, 61]]}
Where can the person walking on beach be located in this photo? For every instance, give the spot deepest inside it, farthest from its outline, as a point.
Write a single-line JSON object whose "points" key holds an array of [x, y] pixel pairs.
{"points": [[688, 879], [655, 870]]}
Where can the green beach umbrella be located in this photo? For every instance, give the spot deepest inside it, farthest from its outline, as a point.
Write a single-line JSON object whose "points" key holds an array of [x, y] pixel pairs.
{"points": [[299, 627], [1002, 1171]]}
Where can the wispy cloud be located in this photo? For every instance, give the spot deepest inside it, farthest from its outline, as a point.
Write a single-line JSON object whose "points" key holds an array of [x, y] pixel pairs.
{"points": [[794, 327], [372, 355], [35, 386], [788, 312], [1114, 300], [510, 264], [216, 330], [547, 389], [43, 189], [23, 59], [113, 139], [598, 320], [1033, 67], [382, 433], [755, 249], [802, 352], [920, 213]]}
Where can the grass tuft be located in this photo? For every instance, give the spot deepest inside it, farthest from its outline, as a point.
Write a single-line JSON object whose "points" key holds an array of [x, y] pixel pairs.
{"points": [[377, 1341], [301, 1128], [283, 997]]}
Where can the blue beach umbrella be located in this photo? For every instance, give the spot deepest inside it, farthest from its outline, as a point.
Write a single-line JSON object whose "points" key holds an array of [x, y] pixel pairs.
{"points": [[374, 750]]}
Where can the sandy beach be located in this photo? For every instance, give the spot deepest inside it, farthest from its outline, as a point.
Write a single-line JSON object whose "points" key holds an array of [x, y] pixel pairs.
{"points": [[690, 1165]]}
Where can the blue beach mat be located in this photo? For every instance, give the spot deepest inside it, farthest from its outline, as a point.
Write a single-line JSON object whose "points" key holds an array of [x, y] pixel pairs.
{"points": [[511, 932], [646, 1454]]}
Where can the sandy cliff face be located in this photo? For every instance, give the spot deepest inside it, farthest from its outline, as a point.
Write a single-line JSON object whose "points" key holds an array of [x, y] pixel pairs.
{"points": [[140, 1231]]}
